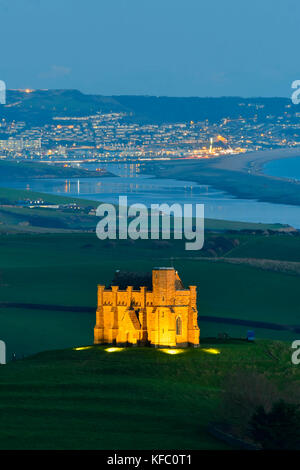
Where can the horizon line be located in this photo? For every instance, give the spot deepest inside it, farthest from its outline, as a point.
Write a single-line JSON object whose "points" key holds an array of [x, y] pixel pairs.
{"points": [[146, 95]]}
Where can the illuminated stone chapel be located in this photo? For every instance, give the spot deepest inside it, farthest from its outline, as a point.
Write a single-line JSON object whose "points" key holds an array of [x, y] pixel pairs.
{"points": [[151, 310]]}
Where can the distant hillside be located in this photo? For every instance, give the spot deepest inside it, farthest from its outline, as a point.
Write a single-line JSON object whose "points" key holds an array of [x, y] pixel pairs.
{"points": [[168, 109], [42, 105], [23, 169]]}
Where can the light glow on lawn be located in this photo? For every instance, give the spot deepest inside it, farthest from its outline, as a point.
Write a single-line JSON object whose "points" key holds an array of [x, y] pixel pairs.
{"points": [[211, 351], [111, 350], [172, 351]]}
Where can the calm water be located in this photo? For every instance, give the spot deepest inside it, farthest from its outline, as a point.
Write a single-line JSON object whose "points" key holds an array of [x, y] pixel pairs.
{"points": [[147, 189], [285, 168]]}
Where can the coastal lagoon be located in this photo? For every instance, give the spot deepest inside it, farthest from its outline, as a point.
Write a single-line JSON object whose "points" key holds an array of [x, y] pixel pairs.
{"points": [[147, 189]]}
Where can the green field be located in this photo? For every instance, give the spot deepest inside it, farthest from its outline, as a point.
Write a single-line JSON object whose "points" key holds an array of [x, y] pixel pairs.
{"points": [[64, 270], [10, 170], [280, 247], [10, 196], [137, 398]]}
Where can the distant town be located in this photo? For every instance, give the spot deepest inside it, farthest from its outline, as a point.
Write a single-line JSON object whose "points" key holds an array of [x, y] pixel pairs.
{"points": [[113, 136]]}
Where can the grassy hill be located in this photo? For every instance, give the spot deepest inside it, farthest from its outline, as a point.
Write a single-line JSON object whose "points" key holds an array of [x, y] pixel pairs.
{"points": [[135, 398], [11, 196], [71, 265], [55, 267], [10, 170], [280, 247], [64, 270]]}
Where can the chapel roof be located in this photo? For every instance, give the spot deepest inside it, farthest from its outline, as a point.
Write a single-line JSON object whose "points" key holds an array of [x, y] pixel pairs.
{"points": [[123, 279]]}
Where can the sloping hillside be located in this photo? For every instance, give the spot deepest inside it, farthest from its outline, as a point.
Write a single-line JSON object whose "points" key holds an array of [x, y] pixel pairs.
{"points": [[137, 398]]}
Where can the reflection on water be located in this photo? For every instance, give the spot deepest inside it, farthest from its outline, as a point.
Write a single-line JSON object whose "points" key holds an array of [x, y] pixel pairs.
{"points": [[140, 188]]}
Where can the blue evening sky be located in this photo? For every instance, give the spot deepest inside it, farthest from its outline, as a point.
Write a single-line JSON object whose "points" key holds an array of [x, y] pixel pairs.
{"points": [[157, 47]]}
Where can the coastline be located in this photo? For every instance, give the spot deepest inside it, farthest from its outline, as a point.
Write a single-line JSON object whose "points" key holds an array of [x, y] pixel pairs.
{"points": [[254, 162], [240, 175]]}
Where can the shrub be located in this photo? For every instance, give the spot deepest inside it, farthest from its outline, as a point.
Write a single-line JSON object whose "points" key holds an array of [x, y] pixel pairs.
{"points": [[277, 429]]}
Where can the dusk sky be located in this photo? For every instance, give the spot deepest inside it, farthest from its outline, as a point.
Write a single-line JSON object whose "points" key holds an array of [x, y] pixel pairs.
{"points": [[157, 47]]}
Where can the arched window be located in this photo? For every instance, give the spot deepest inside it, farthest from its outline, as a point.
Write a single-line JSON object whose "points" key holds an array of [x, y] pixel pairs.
{"points": [[178, 326]]}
